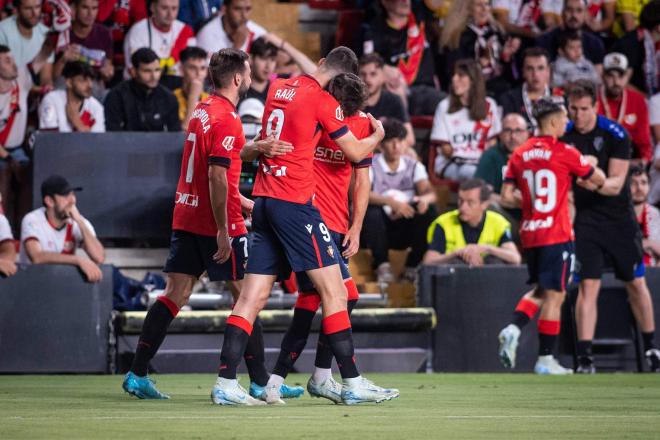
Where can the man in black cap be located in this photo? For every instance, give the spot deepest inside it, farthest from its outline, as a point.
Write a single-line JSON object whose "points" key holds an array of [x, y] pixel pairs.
{"points": [[51, 234]]}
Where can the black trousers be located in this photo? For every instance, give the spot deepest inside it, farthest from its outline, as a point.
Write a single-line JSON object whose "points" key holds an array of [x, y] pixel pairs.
{"points": [[380, 233]]}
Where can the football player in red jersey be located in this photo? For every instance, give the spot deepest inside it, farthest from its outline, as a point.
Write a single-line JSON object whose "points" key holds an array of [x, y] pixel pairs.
{"points": [[333, 173], [208, 230], [289, 233], [543, 169]]}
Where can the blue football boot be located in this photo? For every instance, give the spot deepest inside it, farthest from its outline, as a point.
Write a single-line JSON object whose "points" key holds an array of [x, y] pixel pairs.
{"points": [[141, 387]]}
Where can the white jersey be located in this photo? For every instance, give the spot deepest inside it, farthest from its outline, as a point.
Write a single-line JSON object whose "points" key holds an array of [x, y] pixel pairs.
{"points": [[468, 138], [526, 13], [35, 226], [212, 37], [52, 113], [15, 102], [167, 44], [5, 229]]}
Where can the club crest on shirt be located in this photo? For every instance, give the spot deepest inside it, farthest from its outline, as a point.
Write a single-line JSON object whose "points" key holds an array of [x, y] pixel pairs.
{"points": [[331, 252], [339, 113], [630, 119], [598, 143]]}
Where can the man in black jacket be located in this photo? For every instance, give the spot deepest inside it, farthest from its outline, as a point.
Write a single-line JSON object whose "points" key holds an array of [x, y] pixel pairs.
{"points": [[141, 103]]}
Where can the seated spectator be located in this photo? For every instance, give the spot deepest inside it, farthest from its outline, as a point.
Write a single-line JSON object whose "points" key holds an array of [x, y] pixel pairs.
{"points": [[381, 103], [648, 216], [471, 32], [197, 12], [25, 35], [73, 109], [627, 16], [162, 33], [526, 18], [571, 64], [601, 15], [654, 168], [400, 35], [297, 62], [536, 75], [231, 28], [574, 18], [89, 42], [465, 124], [195, 69], [119, 16], [51, 234], [141, 103], [263, 60], [251, 111], [7, 248], [15, 85], [624, 105], [492, 165], [471, 234], [640, 46], [401, 205]]}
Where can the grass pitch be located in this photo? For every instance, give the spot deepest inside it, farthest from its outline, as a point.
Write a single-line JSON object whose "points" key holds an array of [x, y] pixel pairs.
{"points": [[507, 406]]}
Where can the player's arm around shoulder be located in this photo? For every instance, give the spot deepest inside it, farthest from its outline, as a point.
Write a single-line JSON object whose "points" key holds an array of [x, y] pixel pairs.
{"points": [[356, 150]]}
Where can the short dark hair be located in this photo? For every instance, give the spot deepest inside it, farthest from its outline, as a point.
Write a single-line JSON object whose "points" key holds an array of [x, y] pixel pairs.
{"points": [[77, 68], [485, 191], [226, 63], [547, 106], [374, 58], [581, 88], [342, 59], [143, 55], [535, 52], [349, 90], [567, 36], [394, 129], [4, 49], [650, 15], [192, 53], [263, 49], [637, 170]]}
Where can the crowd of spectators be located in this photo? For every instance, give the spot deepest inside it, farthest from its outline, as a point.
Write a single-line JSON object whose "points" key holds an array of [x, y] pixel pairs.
{"points": [[474, 68]]}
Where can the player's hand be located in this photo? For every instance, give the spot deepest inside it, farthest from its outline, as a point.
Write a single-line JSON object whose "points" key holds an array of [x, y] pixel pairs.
{"points": [[224, 247], [377, 126], [273, 147], [402, 209], [91, 271], [586, 184], [247, 205], [593, 160], [7, 268], [351, 243]]}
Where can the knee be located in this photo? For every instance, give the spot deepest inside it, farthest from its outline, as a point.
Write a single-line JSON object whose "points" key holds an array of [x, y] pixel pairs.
{"points": [[637, 288]]}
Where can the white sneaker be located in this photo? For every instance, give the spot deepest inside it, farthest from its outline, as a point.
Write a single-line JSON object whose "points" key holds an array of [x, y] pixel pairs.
{"points": [[549, 365], [330, 389], [272, 394], [508, 345], [384, 273], [361, 390], [230, 392]]}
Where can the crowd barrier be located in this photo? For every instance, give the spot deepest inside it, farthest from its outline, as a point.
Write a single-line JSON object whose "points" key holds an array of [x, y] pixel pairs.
{"points": [[51, 321], [474, 304]]}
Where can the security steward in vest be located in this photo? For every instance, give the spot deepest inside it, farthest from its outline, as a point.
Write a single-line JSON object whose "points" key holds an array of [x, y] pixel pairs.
{"points": [[471, 234]]}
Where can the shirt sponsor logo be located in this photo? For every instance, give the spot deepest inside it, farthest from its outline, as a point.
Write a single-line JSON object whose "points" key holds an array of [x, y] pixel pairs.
{"points": [[535, 225], [187, 199], [598, 143], [327, 154]]}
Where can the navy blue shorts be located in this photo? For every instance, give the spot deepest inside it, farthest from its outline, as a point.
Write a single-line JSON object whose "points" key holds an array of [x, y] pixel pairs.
{"points": [[550, 267], [289, 237], [192, 254], [306, 285]]}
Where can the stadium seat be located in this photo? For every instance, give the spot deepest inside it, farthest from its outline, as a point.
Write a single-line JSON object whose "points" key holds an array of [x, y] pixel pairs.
{"points": [[348, 22]]}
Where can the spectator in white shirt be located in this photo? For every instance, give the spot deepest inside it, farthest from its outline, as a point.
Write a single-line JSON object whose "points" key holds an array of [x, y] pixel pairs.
{"points": [[647, 215], [232, 28], [7, 248], [73, 109], [465, 124], [51, 234], [162, 33]]}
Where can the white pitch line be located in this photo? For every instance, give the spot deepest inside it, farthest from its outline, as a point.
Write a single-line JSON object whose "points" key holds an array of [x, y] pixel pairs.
{"points": [[293, 417]]}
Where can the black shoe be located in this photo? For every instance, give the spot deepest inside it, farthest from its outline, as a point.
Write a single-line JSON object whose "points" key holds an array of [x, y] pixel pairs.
{"points": [[586, 365], [653, 358]]}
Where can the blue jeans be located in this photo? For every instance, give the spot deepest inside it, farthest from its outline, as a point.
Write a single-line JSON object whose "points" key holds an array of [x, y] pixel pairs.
{"points": [[18, 155]]}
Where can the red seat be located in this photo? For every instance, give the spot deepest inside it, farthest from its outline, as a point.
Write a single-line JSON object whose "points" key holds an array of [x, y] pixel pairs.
{"points": [[329, 4], [422, 122], [349, 23], [434, 178]]}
